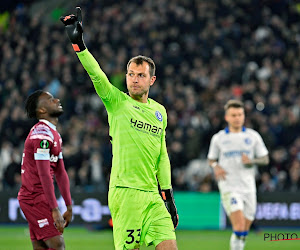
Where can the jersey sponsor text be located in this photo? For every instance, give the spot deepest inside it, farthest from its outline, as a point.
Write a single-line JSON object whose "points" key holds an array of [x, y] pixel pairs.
{"points": [[146, 127]]}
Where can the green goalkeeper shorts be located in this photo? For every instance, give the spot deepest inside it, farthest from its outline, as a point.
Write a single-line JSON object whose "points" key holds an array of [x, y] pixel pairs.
{"points": [[138, 217]]}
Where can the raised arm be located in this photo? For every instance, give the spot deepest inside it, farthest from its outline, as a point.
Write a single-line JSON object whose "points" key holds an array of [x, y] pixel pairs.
{"points": [[74, 30], [73, 25]]}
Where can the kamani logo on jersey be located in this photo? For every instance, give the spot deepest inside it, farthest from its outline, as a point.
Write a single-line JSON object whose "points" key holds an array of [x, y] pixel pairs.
{"points": [[145, 127]]}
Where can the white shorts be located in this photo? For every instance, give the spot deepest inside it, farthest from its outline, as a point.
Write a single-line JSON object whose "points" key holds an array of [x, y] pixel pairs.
{"points": [[246, 202]]}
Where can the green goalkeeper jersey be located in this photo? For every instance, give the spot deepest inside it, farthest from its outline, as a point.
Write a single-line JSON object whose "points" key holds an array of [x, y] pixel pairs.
{"points": [[138, 134]]}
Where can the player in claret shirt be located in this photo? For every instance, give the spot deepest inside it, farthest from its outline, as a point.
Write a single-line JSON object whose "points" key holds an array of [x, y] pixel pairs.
{"points": [[42, 160], [140, 160]]}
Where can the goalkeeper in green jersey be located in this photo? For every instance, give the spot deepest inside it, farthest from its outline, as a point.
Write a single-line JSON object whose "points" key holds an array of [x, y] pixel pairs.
{"points": [[140, 160]]}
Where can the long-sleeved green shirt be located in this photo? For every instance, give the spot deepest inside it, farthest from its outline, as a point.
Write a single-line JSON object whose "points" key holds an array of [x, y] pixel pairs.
{"points": [[138, 134]]}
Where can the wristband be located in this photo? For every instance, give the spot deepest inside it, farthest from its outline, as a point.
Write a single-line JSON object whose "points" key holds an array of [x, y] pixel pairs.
{"points": [[214, 164]]}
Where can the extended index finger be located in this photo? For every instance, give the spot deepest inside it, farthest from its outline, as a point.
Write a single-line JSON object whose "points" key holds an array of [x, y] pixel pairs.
{"points": [[79, 16]]}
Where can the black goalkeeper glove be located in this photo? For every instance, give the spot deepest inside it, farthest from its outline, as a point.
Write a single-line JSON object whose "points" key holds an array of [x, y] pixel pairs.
{"points": [[73, 25], [168, 198]]}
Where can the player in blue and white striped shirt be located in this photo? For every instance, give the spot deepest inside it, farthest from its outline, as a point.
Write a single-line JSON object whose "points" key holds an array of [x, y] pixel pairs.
{"points": [[233, 154]]}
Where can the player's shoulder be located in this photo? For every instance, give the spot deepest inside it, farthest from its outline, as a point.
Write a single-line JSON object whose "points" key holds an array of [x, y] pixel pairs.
{"points": [[159, 110], [157, 105], [117, 95], [221, 133], [41, 127], [218, 136], [41, 131], [252, 132]]}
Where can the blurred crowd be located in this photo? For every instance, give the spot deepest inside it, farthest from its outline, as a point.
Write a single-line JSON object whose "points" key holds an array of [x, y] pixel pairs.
{"points": [[206, 52]]}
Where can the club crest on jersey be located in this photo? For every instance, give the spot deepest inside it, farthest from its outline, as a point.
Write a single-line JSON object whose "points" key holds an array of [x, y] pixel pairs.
{"points": [[44, 144], [248, 141], [158, 116], [233, 201]]}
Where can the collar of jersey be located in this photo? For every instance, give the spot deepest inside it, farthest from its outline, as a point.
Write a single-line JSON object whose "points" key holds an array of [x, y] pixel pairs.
{"points": [[227, 130], [51, 125], [135, 101]]}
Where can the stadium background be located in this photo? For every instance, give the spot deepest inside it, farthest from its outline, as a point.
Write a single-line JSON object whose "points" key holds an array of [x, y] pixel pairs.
{"points": [[206, 52]]}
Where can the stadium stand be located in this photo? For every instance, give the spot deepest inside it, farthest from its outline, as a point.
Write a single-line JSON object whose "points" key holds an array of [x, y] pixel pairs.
{"points": [[206, 52]]}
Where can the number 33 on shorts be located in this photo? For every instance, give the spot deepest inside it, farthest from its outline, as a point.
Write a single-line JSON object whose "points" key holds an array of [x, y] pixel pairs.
{"points": [[133, 236]]}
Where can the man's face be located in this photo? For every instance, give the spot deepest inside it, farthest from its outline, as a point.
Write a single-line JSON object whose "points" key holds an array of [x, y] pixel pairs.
{"points": [[235, 117], [138, 79], [50, 105]]}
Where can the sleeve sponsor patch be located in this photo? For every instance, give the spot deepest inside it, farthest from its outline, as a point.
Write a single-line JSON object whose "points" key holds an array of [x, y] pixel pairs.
{"points": [[43, 151], [42, 157]]}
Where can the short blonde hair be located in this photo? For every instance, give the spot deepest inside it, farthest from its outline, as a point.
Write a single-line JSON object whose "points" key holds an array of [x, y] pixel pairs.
{"points": [[233, 104]]}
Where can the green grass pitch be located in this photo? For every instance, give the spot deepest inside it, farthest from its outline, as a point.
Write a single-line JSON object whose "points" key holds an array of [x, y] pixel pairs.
{"points": [[79, 238]]}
